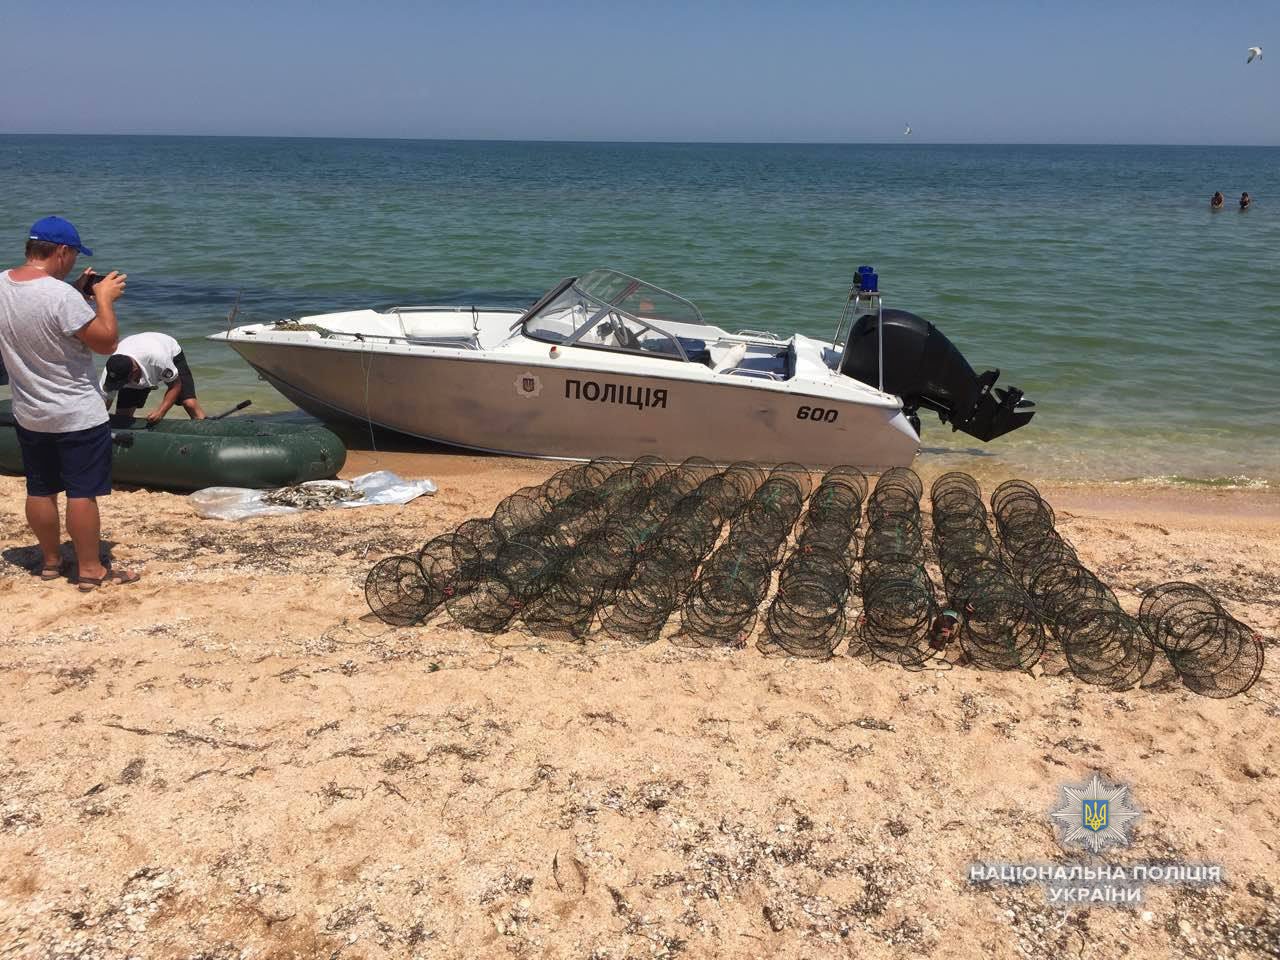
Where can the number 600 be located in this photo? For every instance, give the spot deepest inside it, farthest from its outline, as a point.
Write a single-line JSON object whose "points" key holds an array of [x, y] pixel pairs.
{"points": [[821, 414]]}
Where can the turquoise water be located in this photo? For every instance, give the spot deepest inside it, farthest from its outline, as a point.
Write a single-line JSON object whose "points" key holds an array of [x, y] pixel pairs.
{"points": [[1146, 327]]}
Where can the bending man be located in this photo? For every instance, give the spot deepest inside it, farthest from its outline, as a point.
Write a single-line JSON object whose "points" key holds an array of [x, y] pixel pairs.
{"points": [[143, 362]]}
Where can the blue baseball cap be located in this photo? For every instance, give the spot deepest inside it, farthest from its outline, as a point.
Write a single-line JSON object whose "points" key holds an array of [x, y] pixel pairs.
{"points": [[57, 230]]}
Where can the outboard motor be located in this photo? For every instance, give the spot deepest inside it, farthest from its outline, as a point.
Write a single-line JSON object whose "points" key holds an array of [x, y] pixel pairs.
{"points": [[925, 369]]}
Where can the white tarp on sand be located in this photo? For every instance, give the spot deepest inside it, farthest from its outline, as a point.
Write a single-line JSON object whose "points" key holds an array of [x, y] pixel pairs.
{"points": [[368, 490]]}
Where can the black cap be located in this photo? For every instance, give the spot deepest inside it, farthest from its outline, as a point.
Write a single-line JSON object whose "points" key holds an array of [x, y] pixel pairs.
{"points": [[119, 372]]}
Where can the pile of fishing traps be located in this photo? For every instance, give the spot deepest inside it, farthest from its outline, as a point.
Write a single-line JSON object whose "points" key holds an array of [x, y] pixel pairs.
{"points": [[722, 605], [622, 542], [1001, 626], [898, 601], [681, 526], [1102, 643], [807, 616], [1213, 653], [623, 547]]}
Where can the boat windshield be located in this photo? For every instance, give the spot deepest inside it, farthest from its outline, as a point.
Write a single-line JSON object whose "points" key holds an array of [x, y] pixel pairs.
{"points": [[607, 310]]}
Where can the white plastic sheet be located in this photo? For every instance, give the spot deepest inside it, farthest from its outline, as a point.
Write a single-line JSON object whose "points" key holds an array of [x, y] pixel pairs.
{"points": [[378, 488]]}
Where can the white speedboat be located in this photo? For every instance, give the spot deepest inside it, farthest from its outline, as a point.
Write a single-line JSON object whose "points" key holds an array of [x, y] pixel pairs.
{"points": [[608, 365]]}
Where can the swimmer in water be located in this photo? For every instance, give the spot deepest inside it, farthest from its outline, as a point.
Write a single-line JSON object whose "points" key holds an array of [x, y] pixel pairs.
{"points": [[1217, 201], [1245, 200]]}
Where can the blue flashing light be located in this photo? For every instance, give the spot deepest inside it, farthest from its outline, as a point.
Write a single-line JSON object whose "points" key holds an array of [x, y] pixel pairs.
{"points": [[866, 280]]}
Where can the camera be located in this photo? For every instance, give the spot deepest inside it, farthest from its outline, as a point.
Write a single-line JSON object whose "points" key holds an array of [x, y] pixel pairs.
{"points": [[91, 280]]}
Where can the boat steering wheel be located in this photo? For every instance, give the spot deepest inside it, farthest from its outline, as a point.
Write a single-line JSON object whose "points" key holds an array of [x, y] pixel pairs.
{"points": [[623, 335]]}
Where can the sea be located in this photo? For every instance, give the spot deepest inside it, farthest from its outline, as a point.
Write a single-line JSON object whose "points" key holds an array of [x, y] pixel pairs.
{"points": [[1145, 327]]}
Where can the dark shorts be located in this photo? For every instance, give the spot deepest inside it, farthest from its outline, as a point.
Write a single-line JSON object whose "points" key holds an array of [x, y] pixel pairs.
{"points": [[132, 398], [78, 461]]}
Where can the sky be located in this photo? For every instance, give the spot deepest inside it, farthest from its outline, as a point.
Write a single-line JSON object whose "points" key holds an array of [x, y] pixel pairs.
{"points": [[987, 71]]}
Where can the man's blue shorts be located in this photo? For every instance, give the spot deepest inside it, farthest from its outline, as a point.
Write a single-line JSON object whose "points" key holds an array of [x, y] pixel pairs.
{"points": [[78, 461]]}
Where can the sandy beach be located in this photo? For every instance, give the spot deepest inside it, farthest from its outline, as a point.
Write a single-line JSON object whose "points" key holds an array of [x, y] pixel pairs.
{"points": [[231, 759]]}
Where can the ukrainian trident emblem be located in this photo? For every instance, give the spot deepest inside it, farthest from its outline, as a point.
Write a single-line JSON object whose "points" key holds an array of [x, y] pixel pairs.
{"points": [[528, 385], [1095, 815]]}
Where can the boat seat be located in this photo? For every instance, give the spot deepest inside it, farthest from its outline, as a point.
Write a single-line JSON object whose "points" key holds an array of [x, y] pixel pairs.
{"points": [[437, 326], [774, 363], [695, 350], [728, 358], [748, 359]]}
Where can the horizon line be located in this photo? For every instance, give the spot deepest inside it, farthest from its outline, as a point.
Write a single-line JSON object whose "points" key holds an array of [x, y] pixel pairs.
{"points": [[882, 141]]}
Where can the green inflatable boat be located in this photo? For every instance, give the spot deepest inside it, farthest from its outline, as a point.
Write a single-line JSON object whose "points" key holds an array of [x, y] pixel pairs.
{"points": [[182, 454]]}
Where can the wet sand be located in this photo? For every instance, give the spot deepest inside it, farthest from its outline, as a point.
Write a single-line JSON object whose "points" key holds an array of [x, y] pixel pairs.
{"points": [[230, 759]]}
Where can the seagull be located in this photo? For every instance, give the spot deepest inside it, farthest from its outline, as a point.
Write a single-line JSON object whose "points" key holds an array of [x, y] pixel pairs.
{"points": [[1255, 53], [907, 132]]}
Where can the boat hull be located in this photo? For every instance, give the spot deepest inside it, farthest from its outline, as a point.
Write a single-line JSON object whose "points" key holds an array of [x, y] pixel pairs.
{"points": [[562, 412]]}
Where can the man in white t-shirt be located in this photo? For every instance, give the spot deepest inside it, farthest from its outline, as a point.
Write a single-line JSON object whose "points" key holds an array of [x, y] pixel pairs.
{"points": [[48, 336], [142, 362]]}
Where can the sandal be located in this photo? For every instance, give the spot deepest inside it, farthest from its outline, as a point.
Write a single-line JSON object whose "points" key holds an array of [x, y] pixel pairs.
{"points": [[118, 577], [55, 572]]}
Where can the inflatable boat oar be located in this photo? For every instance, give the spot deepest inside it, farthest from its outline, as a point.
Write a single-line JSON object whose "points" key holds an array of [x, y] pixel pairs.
{"points": [[226, 413]]}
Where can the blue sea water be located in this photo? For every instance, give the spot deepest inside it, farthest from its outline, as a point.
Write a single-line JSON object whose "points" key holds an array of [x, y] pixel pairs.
{"points": [[1146, 328]]}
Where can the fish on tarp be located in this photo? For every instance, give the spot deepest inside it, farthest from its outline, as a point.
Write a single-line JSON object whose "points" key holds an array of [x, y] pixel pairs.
{"points": [[314, 495], [182, 454]]}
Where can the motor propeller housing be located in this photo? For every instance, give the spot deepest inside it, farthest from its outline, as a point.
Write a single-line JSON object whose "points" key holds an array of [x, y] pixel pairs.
{"points": [[925, 369]]}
